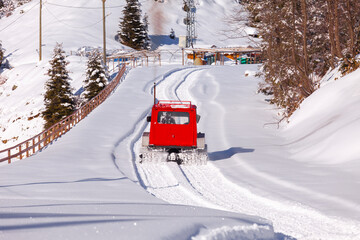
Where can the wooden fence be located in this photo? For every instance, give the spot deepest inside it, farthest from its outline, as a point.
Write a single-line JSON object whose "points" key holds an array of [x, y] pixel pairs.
{"points": [[38, 142]]}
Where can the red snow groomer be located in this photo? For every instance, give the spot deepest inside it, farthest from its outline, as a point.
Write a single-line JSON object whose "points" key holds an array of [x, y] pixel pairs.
{"points": [[173, 134]]}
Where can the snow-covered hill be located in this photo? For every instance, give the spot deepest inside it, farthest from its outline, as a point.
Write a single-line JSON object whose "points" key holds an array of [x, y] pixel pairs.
{"points": [[298, 181], [78, 25]]}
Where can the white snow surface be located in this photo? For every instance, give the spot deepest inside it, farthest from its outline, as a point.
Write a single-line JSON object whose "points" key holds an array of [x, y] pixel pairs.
{"points": [[298, 181], [78, 25]]}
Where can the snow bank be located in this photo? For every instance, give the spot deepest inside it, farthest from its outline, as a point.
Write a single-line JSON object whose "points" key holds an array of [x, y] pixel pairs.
{"points": [[324, 129], [237, 232]]}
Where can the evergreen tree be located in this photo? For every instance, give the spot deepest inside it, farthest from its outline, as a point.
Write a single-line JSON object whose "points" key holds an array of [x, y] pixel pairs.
{"points": [[145, 31], [59, 101], [132, 31], [95, 76]]}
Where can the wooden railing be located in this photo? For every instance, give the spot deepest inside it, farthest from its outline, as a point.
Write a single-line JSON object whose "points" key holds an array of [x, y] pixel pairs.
{"points": [[38, 142]]}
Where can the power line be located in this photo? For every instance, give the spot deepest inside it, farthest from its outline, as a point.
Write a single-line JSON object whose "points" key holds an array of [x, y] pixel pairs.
{"points": [[61, 21], [67, 6]]}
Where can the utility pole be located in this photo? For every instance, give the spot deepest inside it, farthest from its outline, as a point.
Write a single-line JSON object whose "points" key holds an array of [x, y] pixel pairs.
{"points": [[104, 33], [40, 40]]}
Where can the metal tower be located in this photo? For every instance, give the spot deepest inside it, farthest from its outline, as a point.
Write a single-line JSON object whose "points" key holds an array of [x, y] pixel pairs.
{"points": [[190, 9]]}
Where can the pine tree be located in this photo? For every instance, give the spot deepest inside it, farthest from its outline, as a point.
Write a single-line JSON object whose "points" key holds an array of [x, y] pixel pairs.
{"points": [[95, 76], [131, 28], [145, 32], [59, 101]]}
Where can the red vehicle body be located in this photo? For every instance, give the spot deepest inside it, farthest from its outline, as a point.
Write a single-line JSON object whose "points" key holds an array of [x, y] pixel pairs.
{"points": [[173, 132], [181, 132]]}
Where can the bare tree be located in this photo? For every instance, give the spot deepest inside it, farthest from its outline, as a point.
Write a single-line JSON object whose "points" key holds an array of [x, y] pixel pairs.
{"points": [[301, 40]]}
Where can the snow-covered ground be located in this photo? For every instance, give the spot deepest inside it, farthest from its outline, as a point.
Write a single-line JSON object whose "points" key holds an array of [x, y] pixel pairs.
{"points": [[298, 181], [78, 25], [80, 187], [83, 182]]}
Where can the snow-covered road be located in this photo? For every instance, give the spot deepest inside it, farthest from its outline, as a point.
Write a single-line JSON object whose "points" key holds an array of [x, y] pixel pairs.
{"points": [[86, 186], [89, 185], [207, 186]]}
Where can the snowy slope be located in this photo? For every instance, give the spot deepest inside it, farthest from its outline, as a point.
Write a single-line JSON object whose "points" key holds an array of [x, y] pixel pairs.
{"points": [[93, 172], [303, 178], [20, 34], [253, 156], [210, 22], [78, 187], [337, 116], [77, 25]]}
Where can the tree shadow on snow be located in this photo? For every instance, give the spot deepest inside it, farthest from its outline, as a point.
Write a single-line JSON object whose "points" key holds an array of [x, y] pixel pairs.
{"points": [[64, 182], [81, 89], [5, 64], [280, 236], [160, 40], [221, 155]]}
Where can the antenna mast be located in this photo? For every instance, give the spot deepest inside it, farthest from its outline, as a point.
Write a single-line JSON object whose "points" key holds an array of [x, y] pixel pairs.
{"points": [[189, 21]]}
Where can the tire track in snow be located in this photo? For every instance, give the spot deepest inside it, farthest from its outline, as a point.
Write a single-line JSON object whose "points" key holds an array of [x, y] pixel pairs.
{"points": [[205, 186], [182, 82], [135, 133], [288, 217], [132, 139], [165, 180]]}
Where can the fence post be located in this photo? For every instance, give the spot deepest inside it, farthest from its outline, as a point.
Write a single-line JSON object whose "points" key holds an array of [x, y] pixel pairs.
{"points": [[27, 149], [20, 151], [39, 138], [44, 139], [57, 131], [33, 142]]}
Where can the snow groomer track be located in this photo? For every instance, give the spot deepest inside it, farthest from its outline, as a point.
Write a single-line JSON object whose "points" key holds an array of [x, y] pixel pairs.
{"points": [[205, 185]]}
